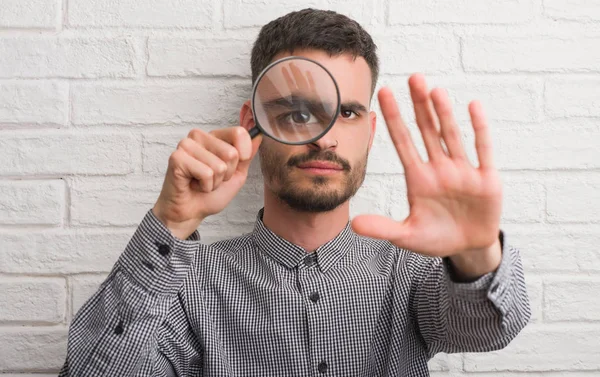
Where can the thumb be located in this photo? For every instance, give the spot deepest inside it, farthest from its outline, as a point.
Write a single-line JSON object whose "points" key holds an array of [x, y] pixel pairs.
{"points": [[376, 226], [243, 166]]}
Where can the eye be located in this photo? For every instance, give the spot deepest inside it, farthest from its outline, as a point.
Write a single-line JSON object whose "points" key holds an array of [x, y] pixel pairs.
{"points": [[348, 114], [300, 116], [296, 118]]}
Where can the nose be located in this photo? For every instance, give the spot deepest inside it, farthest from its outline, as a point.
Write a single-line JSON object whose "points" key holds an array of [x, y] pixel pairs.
{"points": [[328, 141]]}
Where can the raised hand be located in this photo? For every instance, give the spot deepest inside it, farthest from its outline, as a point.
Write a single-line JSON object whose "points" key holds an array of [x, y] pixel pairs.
{"points": [[455, 207], [204, 174]]}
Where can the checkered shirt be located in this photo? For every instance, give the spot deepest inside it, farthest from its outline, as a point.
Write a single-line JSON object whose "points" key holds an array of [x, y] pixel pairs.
{"points": [[258, 305]]}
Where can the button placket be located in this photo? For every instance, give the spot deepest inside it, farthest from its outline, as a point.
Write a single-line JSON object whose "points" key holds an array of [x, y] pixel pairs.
{"points": [[316, 314]]}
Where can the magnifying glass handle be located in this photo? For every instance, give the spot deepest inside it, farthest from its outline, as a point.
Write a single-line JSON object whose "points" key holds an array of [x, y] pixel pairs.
{"points": [[254, 132]]}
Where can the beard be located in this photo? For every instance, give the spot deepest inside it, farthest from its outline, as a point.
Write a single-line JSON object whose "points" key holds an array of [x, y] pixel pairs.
{"points": [[323, 194]]}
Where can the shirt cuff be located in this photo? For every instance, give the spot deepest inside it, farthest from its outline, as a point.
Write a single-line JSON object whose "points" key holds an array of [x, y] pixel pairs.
{"points": [[155, 259], [489, 286]]}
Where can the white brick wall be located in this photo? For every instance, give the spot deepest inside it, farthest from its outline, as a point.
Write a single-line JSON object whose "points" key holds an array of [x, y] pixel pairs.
{"points": [[95, 94]]}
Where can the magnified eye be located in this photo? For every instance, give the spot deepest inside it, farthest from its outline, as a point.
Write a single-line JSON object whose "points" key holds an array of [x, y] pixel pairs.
{"points": [[297, 118], [302, 116]]}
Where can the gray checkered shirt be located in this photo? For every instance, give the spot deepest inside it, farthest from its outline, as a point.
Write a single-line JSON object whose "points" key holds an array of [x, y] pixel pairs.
{"points": [[257, 305]]}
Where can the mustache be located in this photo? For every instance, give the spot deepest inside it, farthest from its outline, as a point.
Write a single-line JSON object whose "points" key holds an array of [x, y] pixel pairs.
{"points": [[316, 155]]}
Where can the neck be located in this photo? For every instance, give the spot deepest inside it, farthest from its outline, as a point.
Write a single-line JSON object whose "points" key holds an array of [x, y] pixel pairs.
{"points": [[305, 229]]}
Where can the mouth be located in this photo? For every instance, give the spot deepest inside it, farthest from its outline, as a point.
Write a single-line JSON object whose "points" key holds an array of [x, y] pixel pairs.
{"points": [[320, 167]]}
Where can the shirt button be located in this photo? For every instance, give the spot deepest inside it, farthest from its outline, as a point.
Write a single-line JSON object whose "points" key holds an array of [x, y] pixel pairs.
{"points": [[119, 328], [310, 260], [163, 249], [322, 367], [314, 297]]}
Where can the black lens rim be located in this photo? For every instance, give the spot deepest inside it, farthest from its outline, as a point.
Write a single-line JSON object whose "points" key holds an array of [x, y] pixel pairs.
{"points": [[325, 130]]}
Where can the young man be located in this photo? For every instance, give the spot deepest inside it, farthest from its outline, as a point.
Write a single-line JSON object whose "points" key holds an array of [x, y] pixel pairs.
{"points": [[308, 292]]}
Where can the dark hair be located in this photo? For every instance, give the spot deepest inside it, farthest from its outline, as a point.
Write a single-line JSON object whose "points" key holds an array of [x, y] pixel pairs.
{"points": [[316, 29]]}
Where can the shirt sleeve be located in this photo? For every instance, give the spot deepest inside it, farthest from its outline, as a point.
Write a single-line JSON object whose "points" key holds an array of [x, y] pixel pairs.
{"points": [[121, 329], [478, 316]]}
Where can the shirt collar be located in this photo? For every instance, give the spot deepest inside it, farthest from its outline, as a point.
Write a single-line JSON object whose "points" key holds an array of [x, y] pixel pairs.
{"points": [[291, 255]]}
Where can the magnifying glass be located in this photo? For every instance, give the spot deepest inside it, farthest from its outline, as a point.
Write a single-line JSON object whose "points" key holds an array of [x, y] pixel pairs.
{"points": [[295, 100]]}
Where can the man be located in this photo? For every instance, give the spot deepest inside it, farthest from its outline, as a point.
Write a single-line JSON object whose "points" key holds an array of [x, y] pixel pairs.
{"points": [[310, 292]]}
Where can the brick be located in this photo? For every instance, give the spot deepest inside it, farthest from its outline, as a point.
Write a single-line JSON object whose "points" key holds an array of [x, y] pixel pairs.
{"points": [[41, 14], [445, 362], [383, 158], [530, 54], [255, 13], [556, 248], [30, 349], [543, 349], [112, 202], [157, 147], [83, 288], [67, 153], [210, 101], [579, 10], [583, 97], [522, 95], [29, 102], [33, 57], [61, 251], [32, 202], [535, 292], [544, 146], [413, 12], [32, 299], [198, 57], [571, 299], [195, 14], [419, 53], [523, 199], [574, 198]]}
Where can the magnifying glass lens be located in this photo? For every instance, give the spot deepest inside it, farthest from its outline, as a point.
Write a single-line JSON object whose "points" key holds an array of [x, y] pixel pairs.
{"points": [[295, 101]]}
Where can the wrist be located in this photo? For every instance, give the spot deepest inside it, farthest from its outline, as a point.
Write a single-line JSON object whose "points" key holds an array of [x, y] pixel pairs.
{"points": [[472, 264], [179, 229]]}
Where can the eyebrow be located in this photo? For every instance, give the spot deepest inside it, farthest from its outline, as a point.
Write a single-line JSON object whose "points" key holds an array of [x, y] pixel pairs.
{"points": [[290, 101], [353, 106]]}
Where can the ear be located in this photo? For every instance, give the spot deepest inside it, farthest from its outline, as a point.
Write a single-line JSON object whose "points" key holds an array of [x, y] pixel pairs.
{"points": [[246, 116], [373, 124]]}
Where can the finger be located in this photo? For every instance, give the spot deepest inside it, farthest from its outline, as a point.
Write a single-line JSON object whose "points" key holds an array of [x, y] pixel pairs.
{"points": [[448, 126], [425, 117], [238, 137], [311, 81], [186, 166], [381, 227], [398, 131], [201, 154], [483, 139], [288, 77], [300, 80], [243, 166], [220, 148]]}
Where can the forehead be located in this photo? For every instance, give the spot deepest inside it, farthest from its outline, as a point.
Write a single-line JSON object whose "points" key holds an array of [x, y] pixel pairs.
{"points": [[352, 75]]}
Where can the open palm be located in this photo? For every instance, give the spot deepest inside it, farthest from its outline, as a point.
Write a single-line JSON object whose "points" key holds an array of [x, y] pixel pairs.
{"points": [[454, 206]]}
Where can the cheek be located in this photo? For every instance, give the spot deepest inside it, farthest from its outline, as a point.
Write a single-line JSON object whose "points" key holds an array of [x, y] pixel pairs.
{"points": [[274, 153], [356, 137]]}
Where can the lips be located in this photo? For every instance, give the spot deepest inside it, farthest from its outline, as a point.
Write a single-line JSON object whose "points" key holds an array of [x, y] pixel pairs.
{"points": [[320, 165]]}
